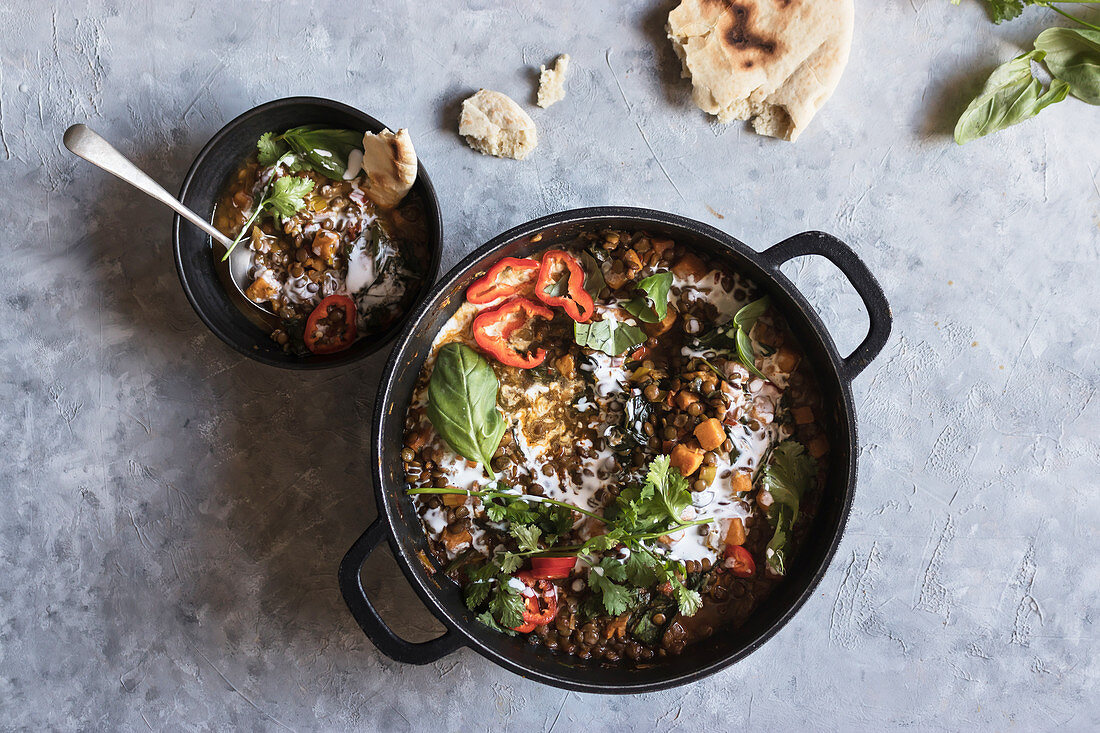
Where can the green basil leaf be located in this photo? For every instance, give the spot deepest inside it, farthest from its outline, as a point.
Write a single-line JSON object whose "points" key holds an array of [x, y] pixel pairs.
{"points": [[745, 353], [722, 337], [653, 306], [1011, 95], [594, 281], [326, 149], [609, 336], [1073, 56], [747, 317], [462, 403], [559, 288]]}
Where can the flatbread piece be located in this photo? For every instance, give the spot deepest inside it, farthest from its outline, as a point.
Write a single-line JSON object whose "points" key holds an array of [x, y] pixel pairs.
{"points": [[774, 62]]}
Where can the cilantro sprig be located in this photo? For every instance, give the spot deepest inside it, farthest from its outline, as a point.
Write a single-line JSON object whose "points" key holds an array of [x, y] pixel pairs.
{"points": [[640, 515], [284, 197]]}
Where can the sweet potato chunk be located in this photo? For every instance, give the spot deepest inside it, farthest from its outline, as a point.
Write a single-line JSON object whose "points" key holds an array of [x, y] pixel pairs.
{"points": [[685, 397], [802, 415], [455, 540], [454, 499], [710, 434], [786, 359], [687, 458], [690, 267], [741, 482], [656, 329], [818, 446], [735, 534], [325, 245]]}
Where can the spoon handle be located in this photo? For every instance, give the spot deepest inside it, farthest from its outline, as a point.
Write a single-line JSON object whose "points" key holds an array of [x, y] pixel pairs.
{"points": [[83, 141]]}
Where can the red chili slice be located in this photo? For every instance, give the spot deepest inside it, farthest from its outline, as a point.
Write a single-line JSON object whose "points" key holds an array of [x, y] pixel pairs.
{"points": [[739, 562], [331, 327], [576, 301], [493, 331], [508, 277], [552, 567], [540, 602]]}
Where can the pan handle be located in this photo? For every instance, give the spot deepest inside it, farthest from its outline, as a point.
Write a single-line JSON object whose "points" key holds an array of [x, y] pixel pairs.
{"points": [[387, 642], [841, 255]]}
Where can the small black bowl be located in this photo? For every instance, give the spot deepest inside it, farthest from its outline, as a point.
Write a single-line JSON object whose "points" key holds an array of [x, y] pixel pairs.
{"points": [[195, 261]]}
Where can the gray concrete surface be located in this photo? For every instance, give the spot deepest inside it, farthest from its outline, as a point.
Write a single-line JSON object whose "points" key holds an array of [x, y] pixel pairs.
{"points": [[173, 514]]}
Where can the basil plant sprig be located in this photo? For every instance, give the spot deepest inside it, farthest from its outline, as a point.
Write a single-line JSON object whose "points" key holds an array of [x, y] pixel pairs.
{"points": [[1013, 94]]}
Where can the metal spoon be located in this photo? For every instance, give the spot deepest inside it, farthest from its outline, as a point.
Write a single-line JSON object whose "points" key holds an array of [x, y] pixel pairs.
{"points": [[83, 141]]}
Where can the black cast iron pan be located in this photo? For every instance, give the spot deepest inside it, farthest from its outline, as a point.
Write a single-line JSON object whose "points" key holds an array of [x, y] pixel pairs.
{"points": [[399, 525]]}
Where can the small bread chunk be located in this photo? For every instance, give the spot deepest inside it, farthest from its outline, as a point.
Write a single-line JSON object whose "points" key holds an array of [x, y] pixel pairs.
{"points": [[389, 163], [493, 124], [552, 82]]}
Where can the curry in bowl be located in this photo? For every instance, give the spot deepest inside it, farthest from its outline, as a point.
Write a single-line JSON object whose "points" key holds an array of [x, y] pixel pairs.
{"points": [[335, 236], [614, 447]]}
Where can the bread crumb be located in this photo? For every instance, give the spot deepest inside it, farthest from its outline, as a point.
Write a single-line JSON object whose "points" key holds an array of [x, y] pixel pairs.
{"points": [[492, 123], [552, 82]]}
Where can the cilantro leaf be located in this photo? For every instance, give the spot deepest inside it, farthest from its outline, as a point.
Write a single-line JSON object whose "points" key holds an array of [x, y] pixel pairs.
{"points": [[689, 601], [509, 562], [269, 148], [788, 475], [781, 517], [506, 605], [288, 195], [640, 569], [616, 598], [487, 619], [527, 536], [475, 593]]}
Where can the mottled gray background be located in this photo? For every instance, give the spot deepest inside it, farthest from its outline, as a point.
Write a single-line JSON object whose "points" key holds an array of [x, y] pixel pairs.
{"points": [[173, 514]]}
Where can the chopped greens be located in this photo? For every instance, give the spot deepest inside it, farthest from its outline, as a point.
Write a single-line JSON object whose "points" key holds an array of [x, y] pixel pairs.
{"points": [[787, 477]]}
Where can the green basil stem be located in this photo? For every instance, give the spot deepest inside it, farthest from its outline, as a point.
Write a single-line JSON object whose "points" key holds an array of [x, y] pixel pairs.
{"points": [[1074, 18], [247, 226], [503, 495]]}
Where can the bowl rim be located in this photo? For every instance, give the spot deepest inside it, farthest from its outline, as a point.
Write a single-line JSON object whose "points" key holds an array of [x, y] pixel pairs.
{"points": [[640, 217], [306, 364]]}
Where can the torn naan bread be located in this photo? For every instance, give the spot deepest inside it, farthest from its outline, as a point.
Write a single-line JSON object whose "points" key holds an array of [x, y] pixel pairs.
{"points": [[774, 62]]}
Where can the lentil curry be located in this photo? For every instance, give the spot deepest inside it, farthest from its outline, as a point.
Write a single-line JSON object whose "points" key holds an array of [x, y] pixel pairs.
{"points": [[322, 252], [614, 447]]}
